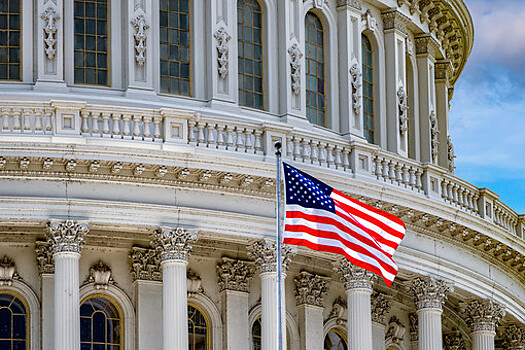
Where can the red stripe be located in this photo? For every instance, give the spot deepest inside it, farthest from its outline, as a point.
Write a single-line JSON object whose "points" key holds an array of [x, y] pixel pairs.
{"points": [[355, 247], [337, 250]]}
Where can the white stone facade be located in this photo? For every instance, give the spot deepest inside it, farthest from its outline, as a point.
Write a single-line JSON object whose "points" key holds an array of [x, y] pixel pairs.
{"points": [[125, 192]]}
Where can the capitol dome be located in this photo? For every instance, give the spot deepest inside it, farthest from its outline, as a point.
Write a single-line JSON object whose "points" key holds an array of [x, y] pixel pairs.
{"points": [[138, 181]]}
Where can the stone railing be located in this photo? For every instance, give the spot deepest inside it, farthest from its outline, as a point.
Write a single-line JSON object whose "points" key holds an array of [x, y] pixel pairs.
{"points": [[222, 136]]}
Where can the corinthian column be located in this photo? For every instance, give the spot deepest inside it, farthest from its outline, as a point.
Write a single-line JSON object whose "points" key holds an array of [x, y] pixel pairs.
{"points": [[429, 295], [265, 255], [174, 246], [358, 284], [67, 239], [310, 290], [482, 317]]}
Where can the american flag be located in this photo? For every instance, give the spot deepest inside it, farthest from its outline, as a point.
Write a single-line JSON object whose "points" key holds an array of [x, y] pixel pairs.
{"points": [[322, 218]]}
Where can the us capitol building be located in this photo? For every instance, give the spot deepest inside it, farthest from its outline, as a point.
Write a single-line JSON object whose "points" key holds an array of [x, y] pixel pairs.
{"points": [[137, 177]]}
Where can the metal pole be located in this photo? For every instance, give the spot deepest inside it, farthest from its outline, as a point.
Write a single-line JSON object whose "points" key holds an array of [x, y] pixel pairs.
{"points": [[279, 242]]}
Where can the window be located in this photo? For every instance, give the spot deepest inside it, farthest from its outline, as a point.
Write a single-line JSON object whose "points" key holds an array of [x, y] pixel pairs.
{"points": [[315, 79], [249, 40], [368, 89], [175, 47], [91, 42], [334, 340], [198, 330], [257, 335], [100, 325], [10, 40], [13, 323]]}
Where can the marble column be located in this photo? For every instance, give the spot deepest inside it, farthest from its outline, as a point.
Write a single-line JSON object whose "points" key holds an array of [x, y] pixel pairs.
{"points": [[174, 245], [358, 284], [514, 337], [482, 316], [429, 294], [233, 278], [46, 270], [67, 239], [264, 254], [380, 310], [310, 290]]}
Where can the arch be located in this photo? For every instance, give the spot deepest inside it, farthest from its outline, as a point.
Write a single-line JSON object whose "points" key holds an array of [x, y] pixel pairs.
{"points": [[335, 337], [292, 327], [335, 323], [117, 295], [208, 307], [329, 22], [29, 297]]}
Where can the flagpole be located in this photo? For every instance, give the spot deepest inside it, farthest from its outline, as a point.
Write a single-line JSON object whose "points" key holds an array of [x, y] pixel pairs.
{"points": [[279, 241]]}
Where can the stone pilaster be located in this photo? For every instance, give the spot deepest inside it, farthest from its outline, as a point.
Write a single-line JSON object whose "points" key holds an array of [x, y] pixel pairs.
{"points": [[174, 246], [67, 239], [358, 284], [514, 337], [482, 316], [233, 278], [46, 269], [310, 290], [429, 294], [264, 254], [380, 309]]}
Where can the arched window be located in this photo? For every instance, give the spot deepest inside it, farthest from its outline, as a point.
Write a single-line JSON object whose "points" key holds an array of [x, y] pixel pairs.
{"points": [[315, 70], [91, 42], [100, 324], [175, 47], [334, 340], [249, 40], [13, 323], [198, 330], [10, 40], [257, 335], [368, 89]]}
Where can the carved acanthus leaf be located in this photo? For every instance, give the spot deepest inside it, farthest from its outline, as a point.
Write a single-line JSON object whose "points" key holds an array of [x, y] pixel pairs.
{"points": [[380, 308], [396, 331], [514, 337], [354, 277], [429, 292], [310, 289], [455, 341], [482, 315], [173, 243], [234, 274], [414, 326], [402, 107], [7, 271], [145, 264], [100, 275], [356, 81], [264, 253], [66, 236], [44, 257]]}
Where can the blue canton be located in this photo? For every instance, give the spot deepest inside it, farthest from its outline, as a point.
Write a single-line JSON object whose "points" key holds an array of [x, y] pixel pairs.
{"points": [[307, 191]]}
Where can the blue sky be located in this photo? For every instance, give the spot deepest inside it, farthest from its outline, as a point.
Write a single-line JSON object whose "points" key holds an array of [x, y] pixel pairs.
{"points": [[487, 116]]}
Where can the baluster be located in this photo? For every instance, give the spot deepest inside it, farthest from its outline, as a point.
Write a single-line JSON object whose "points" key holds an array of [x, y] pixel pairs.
{"points": [[404, 175], [329, 156], [248, 140], [16, 121], [444, 192], [258, 149], [412, 177], [419, 183], [27, 119], [191, 131], [84, 115], [220, 136], [126, 126], [200, 133], [38, 121], [399, 177], [296, 148], [105, 124], [386, 169], [116, 125], [305, 152], [211, 139], [5, 119], [157, 134], [314, 153], [48, 124], [346, 162], [454, 188], [470, 197], [391, 171], [377, 167], [229, 137], [337, 159], [136, 126], [147, 128], [94, 123], [239, 143], [289, 146], [322, 154]]}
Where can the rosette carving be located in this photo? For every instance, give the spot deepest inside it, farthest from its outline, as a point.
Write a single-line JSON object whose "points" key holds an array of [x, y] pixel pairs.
{"points": [[264, 253], [482, 315], [310, 289], [173, 244], [353, 276], [66, 236], [234, 275], [429, 292]]}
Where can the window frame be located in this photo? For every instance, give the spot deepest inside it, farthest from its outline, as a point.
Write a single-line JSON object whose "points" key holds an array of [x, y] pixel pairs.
{"points": [[339, 333], [21, 32], [373, 98], [28, 314], [209, 340]]}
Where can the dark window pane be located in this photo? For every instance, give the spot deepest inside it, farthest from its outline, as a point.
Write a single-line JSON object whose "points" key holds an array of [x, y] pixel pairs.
{"points": [[102, 11], [14, 71], [91, 76], [14, 22], [315, 82], [14, 55], [19, 345], [3, 71], [3, 21], [90, 9], [19, 326]]}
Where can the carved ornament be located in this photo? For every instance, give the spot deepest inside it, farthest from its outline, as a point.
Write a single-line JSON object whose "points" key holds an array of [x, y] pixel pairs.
{"points": [[339, 312], [100, 274], [434, 131], [395, 20], [354, 277], [66, 236], [356, 81], [396, 331], [173, 244], [414, 326], [402, 107], [140, 25], [454, 341], [429, 292], [355, 4], [514, 337], [264, 253], [193, 283], [7, 271], [222, 37], [380, 308], [50, 17], [482, 315], [44, 257], [310, 289], [234, 275], [451, 156], [145, 264], [295, 67]]}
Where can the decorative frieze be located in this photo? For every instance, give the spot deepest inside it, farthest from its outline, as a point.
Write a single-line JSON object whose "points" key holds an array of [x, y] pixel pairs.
{"points": [[66, 236], [402, 107], [414, 326], [396, 331], [380, 308], [145, 264], [454, 341], [173, 244], [44, 258], [482, 315], [514, 337], [295, 67], [100, 275], [356, 82], [234, 275], [222, 37], [429, 292], [140, 25], [353, 276], [50, 17], [310, 289], [264, 253], [7, 271]]}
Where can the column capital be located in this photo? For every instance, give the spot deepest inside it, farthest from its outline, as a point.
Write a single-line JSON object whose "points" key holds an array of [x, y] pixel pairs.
{"points": [[145, 264], [514, 337], [454, 341], [310, 289], [44, 257], [66, 235], [264, 253], [380, 308], [354, 277], [173, 243], [482, 315], [349, 4], [234, 275], [429, 292], [426, 45], [443, 70], [395, 20]]}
